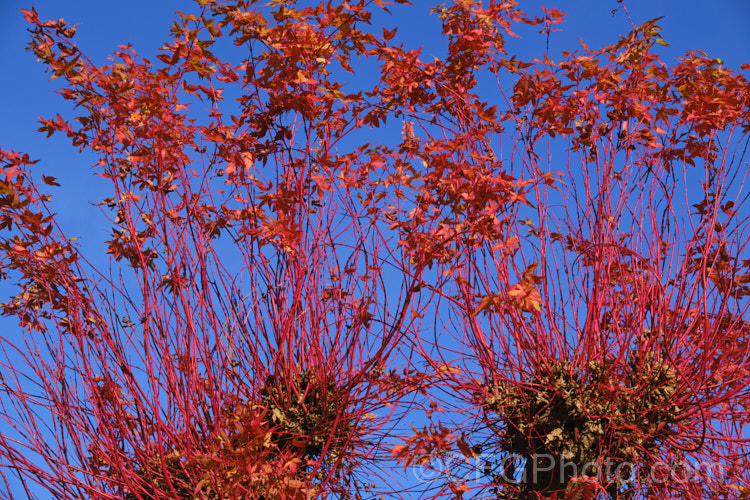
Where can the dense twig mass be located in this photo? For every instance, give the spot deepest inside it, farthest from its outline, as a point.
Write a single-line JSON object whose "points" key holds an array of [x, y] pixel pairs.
{"points": [[532, 281]]}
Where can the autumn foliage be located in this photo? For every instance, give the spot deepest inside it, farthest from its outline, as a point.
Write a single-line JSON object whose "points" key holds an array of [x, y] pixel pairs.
{"points": [[337, 269]]}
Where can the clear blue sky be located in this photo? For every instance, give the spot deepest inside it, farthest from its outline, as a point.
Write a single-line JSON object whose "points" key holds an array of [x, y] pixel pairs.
{"points": [[720, 29]]}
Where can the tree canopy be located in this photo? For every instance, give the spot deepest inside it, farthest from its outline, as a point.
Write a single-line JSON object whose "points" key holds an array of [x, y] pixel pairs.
{"points": [[338, 268]]}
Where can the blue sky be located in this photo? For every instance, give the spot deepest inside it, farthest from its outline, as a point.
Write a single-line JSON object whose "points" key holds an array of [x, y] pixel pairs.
{"points": [[26, 91]]}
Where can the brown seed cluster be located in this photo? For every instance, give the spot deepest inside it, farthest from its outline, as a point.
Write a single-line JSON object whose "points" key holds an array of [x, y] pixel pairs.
{"points": [[304, 411], [295, 424], [601, 414]]}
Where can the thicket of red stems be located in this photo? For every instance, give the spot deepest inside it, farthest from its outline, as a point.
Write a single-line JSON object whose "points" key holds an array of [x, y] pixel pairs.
{"points": [[304, 262]]}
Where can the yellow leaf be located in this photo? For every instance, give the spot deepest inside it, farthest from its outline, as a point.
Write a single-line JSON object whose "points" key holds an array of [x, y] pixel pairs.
{"points": [[744, 492], [447, 369], [248, 159]]}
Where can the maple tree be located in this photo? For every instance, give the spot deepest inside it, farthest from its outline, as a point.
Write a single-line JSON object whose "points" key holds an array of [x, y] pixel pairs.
{"points": [[536, 274]]}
